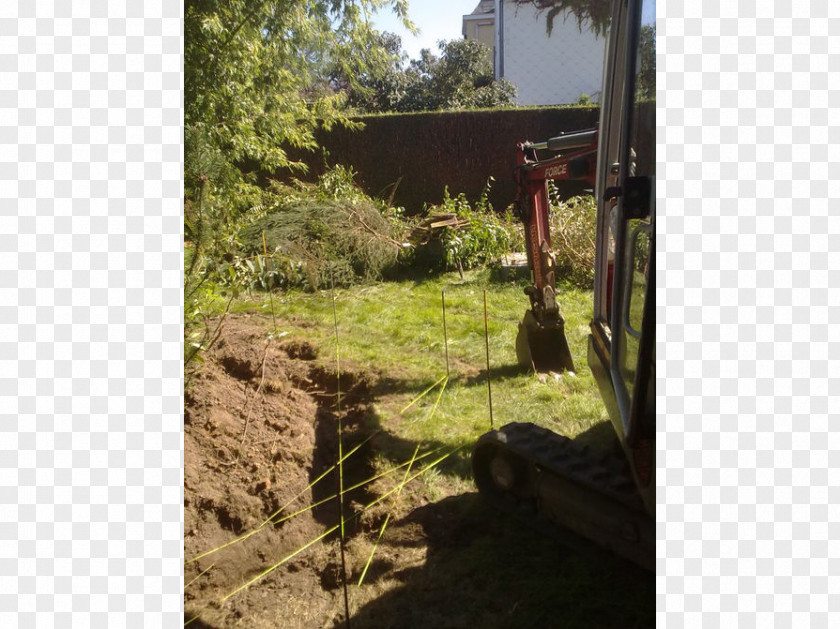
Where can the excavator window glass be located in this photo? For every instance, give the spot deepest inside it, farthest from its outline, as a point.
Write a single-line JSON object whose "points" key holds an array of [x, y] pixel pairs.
{"points": [[643, 133], [641, 163], [611, 138]]}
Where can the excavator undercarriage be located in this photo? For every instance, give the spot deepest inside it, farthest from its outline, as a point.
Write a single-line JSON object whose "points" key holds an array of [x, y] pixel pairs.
{"points": [[530, 471]]}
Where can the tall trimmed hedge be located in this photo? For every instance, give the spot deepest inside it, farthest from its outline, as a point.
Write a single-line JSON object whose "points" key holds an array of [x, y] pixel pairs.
{"points": [[427, 151]]}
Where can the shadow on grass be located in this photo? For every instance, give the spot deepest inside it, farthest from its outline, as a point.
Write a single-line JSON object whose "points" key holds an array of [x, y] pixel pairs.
{"points": [[485, 569], [500, 372], [394, 386], [400, 450], [432, 270], [601, 436]]}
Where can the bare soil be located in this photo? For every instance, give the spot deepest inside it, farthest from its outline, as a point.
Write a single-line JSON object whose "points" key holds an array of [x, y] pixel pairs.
{"points": [[261, 424]]}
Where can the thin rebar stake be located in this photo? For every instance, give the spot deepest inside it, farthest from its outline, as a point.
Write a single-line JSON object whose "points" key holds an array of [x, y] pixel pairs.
{"points": [[445, 338], [487, 351], [340, 458], [270, 291]]}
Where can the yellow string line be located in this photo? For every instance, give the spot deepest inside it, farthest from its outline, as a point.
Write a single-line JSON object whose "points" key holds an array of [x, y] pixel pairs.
{"points": [[422, 395], [199, 576], [321, 477], [332, 529], [279, 563], [437, 401], [271, 519], [245, 536], [408, 470], [356, 486], [387, 518]]}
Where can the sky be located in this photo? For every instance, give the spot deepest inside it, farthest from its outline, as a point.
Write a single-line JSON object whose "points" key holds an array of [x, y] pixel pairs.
{"points": [[441, 19], [436, 19]]}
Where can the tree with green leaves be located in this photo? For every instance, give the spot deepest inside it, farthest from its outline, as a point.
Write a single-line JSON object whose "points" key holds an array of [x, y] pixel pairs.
{"points": [[381, 88], [256, 85], [460, 78], [646, 79], [596, 12]]}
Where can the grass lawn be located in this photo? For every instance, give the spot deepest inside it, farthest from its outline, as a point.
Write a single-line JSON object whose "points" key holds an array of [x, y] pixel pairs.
{"points": [[396, 329]]}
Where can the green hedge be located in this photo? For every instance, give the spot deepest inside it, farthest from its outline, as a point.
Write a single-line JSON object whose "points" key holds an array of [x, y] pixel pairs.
{"points": [[427, 151]]}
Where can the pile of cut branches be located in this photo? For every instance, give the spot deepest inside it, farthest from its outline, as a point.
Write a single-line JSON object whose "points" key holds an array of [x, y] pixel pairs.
{"points": [[340, 240], [432, 227]]}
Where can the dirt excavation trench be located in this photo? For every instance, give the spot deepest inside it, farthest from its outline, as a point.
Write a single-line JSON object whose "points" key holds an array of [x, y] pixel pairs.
{"points": [[260, 427]]}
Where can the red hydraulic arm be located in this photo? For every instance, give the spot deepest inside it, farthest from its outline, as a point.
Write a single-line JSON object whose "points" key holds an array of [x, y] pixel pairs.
{"points": [[575, 160]]}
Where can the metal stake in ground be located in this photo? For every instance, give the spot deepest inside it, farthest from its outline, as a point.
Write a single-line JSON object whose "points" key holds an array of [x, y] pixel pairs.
{"points": [[445, 339], [487, 352], [270, 288], [340, 458]]}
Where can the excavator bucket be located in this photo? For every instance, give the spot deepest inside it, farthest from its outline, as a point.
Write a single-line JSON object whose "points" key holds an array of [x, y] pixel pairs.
{"points": [[543, 348]]}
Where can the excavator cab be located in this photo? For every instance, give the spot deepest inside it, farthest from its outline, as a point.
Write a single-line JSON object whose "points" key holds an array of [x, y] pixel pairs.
{"points": [[622, 349], [532, 471]]}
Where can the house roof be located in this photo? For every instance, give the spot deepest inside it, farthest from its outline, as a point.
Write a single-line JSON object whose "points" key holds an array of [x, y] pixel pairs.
{"points": [[484, 6]]}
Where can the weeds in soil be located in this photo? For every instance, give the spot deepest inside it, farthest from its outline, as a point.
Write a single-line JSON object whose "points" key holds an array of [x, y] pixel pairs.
{"points": [[485, 236]]}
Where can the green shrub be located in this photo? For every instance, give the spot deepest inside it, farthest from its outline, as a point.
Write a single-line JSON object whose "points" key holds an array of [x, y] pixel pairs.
{"points": [[573, 224], [484, 236], [336, 183]]}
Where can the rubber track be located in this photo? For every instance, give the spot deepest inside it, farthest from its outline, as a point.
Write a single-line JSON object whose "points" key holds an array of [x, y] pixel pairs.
{"points": [[601, 472], [547, 455]]}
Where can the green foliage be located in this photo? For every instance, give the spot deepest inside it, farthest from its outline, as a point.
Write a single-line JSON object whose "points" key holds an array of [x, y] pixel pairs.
{"points": [[483, 239], [381, 88], [217, 198], [337, 183], [255, 77], [204, 311], [460, 78], [646, 76], [596, 13], [573, 223]]}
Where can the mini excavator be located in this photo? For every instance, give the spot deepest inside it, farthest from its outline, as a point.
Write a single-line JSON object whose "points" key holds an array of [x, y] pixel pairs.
{"points": [[607, 498]]}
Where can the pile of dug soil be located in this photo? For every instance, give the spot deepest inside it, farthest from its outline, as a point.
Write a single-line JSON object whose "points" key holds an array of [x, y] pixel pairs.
{"points": [[260, 427]]}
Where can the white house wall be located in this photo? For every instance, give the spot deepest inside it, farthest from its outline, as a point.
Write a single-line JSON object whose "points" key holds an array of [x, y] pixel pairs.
{"points": [[548, 70]]}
